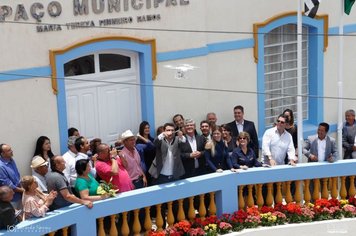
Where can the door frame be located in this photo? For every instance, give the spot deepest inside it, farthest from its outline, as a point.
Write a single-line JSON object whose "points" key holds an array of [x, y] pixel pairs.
{"points": [[146, 50]]}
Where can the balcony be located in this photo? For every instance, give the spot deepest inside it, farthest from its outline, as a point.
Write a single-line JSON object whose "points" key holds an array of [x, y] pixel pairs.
{"points": [[225, 196]]}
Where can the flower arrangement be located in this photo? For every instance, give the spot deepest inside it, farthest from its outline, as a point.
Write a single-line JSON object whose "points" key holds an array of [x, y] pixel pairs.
{"points": [[105, 188], [252, 217]]}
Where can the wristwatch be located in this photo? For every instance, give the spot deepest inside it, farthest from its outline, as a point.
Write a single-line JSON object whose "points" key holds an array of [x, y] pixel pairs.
{"points": [[113, 158]]}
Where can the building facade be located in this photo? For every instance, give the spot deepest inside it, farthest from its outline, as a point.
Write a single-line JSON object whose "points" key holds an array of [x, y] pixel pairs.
{"points": [[103, 66]]}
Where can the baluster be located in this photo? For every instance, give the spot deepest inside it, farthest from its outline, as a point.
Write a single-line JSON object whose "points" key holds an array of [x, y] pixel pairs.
{"points": [[325, 192], [136, 227], [101, 231], [148, 222], [65, 231], [352, 190], [343, 192], [52, 233], [260, 200], [170, 216], [307, 195], [159, 219], [289, 197], [125, 230], [202, 210], [334, 192], [241, 197], [191, 209], [269, 198], [181, 215], [113, 229], [316, 190], [212, 205], [279, 197], [298, 194], [250, 202]]}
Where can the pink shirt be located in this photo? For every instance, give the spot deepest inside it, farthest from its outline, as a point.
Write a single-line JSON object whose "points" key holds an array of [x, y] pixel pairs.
{"points": [[133, 163], [33, 206], [122, 180]]}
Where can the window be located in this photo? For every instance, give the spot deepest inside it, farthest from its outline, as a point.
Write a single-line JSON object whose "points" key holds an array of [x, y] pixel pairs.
{"points": [[80, 66], [280, 71], [109, 62], [105, 62]]}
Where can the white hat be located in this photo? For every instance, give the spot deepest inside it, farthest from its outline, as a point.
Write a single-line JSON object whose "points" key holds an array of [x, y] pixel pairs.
{"points": [[38, 161], [127, 134]]}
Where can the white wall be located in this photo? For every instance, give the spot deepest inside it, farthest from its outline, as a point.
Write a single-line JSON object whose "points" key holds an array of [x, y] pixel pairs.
{"points": [[28, 110]]}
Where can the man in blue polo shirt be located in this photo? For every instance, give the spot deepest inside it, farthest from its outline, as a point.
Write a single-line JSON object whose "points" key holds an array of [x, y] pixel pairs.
{"points": [[9, 174]]}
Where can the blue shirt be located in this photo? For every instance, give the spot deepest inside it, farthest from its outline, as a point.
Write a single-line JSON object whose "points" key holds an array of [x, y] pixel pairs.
{"points": [[10, 176]]}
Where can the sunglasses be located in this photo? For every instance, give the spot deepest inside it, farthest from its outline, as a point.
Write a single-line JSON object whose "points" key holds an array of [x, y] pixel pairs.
{"points": [[280, 121], [244, 138]]}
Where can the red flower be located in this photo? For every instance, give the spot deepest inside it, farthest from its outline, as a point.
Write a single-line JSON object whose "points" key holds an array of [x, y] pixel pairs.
{"points": [[253, 211], [266, 209], [239, 216]]}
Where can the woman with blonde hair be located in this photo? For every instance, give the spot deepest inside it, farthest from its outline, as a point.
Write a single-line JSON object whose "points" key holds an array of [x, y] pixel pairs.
{"points": [[35, 203], [216, 153]]}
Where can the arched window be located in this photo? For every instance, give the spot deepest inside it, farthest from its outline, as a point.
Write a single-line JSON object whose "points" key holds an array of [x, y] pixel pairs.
{"points": [[275, 53], [280, 75]]}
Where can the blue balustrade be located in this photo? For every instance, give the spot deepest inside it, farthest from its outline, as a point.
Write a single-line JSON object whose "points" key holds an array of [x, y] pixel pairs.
{"points": [[223, 184]]}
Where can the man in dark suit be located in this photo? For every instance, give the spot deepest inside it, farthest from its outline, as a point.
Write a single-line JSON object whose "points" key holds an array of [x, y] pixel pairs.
{"points": [[240, 124], [192, 151]]}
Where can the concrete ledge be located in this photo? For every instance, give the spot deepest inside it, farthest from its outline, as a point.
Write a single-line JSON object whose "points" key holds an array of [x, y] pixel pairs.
{"points": [[344, 227]]}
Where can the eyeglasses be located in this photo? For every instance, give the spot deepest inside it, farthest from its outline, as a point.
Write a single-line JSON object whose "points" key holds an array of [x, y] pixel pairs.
{"points": [[244, 138], [281, 121]]}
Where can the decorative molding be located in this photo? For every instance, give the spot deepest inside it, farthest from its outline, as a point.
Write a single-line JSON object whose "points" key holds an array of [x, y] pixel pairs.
{"points": [[257, 26], [54, 52]]}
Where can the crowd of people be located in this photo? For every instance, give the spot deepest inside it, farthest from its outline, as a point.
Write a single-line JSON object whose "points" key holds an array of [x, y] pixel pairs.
{"points": [[178, 151]]}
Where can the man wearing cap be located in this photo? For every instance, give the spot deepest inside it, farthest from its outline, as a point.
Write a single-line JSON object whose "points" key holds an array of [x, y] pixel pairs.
{"points": [[69, 158], [9, 174], [133, 160], [40, 169]]}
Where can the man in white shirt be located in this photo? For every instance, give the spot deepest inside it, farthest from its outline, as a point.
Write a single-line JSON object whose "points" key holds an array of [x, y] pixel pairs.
{"points": [[320, 147], [69, 158], [277, 143], [168, 160], [82, 146]]}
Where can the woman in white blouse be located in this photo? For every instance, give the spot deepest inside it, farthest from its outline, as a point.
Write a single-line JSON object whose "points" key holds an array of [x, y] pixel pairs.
{"points": [[35, 203]]}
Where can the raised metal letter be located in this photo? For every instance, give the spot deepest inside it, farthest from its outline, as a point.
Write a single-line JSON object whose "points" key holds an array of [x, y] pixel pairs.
{"points": [[171, 2], [80, 8], [114, 5], [5, 11], [21, 13], [54, 9], [94, 5], [135, 5], [33, 10]]}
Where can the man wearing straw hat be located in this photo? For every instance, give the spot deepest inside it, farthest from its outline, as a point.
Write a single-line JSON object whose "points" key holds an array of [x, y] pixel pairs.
{"points": [[133, 160], [40, 169]]}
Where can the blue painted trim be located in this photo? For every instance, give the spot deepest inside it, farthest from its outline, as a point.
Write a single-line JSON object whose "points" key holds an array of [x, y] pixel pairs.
{"points": [[144, 51], [203, 51], [231, 45], [347, 29], [182, 54], [316, 64], [25, 73]]}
